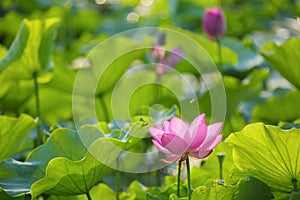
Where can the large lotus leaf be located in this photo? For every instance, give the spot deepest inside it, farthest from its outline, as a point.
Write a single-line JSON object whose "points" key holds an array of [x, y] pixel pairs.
{"points": [[62, 79], [269, 154], [55, 96], [100, 191], [104, 192], [246, 90], [238, 91], [108, 62], [14, 135], [278, 109], [247, 59], [143, 93], [30, 51], [5, 196], [285, 58], [2, 51], [214, 191], [17, 177], [15, 94], [295, 196], [253, 189], [9, 25], [62, 143], [67, 177], [55, 105], [244, 190]]}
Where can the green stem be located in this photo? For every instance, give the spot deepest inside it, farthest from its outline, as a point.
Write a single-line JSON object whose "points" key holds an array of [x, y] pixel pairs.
{"points": [[189, 188], [2, 110], [221, 157], [294, 181], [103, 105], [68, 26], [118, 182], [220, 53], [178, 178], [88, 195], [39, 138], [158, 87], [221, 171]]}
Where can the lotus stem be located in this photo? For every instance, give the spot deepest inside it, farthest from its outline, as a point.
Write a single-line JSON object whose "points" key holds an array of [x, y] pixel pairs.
{"points": [[88, 195], [118, 180], [103, 105], [294, 181], [178, 178], [220, 53], [189, 188], [39, 139], [118, 183], [158, 86]]}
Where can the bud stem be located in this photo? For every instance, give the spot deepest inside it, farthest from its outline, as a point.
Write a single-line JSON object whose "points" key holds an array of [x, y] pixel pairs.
{"points": [[220, 52], [221, 157]]}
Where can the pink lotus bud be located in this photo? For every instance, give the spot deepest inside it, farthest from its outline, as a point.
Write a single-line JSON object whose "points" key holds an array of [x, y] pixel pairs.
{"points": [[214, 23]]}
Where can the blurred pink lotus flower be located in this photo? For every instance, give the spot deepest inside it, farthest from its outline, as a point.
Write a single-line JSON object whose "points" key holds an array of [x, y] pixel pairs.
{"points": [[214, 23], [158, 52], [166, 61], [179, 139], [174, 57]]}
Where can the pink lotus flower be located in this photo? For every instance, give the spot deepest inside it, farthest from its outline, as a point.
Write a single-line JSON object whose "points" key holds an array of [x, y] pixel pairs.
{"points": [[214, 23], [179, 139], [166, 61]]}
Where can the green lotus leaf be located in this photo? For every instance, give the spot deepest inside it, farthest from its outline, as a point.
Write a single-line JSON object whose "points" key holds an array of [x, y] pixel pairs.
{"points": [[174, 197], [247, 58], [100, 191], [285, 58], [15, 94], [5, 196], [27, 57], [30, 51], [14, 135], [295, 196], [214, 191], [278, 109], [55, 105], [268, 154], [105, 60], [16, 177], [240, 91], [62, 142], [66, 177], [253, 189], [237, 92]]}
